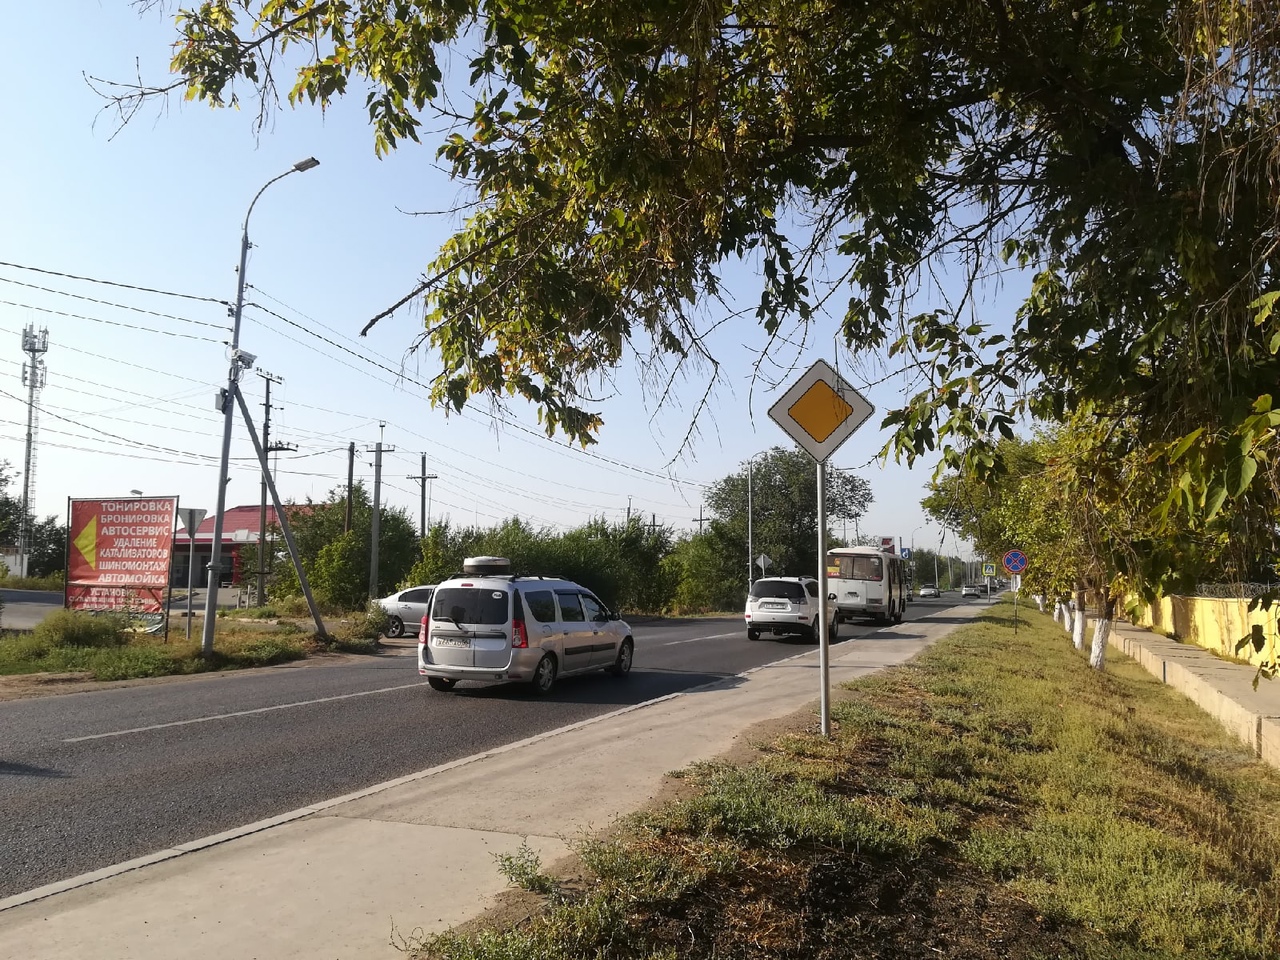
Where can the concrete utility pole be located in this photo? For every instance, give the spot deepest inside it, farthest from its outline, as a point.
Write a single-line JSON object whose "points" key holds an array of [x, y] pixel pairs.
{"points": [[35, 344], [701, 519], [269, 379], [423, 478], [378, 450], [351, 484], [226, 401]]}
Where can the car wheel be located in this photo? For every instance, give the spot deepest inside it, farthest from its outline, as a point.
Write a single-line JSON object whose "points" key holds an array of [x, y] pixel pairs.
{"points": [[544, 675], [395, 627], [834, 634], [443, 684], [815, 635], [897, 615], [622, 665], [753, 633]]}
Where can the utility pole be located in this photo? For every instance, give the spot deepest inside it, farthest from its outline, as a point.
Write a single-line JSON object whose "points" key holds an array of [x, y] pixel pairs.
{"points": [[422, 479], [628, 511], [351, 482], [35, 344], [701, 519], [268, 380], [653, 526], [378, 451]]}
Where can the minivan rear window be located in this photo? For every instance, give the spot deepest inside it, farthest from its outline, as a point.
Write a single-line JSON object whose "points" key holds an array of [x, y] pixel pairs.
{"points": [[471, 605], [781, 589]]}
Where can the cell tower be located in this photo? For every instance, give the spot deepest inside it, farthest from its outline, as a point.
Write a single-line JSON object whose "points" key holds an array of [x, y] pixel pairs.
{"points": [[35, 344]]}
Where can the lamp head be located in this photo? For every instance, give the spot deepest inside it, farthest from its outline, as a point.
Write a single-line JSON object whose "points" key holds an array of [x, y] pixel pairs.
{"points": [[302, 166]]}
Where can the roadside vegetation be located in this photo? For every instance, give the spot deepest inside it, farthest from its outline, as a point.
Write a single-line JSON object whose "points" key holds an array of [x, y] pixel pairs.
{"points": [[993, 798], [102, 648]]}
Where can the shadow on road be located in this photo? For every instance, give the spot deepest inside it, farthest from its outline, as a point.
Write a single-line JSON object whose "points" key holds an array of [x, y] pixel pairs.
{"points": [[8, 769], [639, 686]]}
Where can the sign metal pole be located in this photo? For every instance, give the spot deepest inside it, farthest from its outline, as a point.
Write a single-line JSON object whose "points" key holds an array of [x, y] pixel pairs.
{"points": [[824, 639]]}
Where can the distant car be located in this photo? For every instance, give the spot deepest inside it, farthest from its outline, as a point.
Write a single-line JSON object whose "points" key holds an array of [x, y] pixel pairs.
{"points": [[406, 609], [929, 590], [971, 591]]}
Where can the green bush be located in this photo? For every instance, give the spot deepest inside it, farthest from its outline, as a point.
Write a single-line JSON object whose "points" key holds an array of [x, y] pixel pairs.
{"points": [[52, 581], [75, 628]]}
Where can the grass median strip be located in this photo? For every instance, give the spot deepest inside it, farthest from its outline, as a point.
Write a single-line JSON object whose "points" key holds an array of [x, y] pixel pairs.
{"points": [[993, 798]]}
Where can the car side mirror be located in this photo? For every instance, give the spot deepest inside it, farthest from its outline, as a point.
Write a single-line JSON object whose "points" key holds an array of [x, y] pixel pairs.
{"points": [[831, 596]]}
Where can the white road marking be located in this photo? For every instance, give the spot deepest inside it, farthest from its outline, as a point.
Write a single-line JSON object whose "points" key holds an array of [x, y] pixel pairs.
{"points": [[239, 713], [714, 636]]}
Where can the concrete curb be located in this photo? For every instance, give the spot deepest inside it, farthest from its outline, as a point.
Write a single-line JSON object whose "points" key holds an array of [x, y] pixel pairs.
{"points": [[1221, 689]]}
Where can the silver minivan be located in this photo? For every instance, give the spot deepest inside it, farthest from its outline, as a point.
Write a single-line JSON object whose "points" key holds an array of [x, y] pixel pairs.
{"points": [[490, 625]]}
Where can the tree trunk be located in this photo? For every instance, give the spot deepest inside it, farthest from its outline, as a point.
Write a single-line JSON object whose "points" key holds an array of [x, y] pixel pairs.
{"points": [[1102, 632], [1040, 602], [1078, 622]]}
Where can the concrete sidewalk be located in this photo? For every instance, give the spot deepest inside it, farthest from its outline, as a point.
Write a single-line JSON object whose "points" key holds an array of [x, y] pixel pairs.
{"points": [[339, 880], [1222, 689]]}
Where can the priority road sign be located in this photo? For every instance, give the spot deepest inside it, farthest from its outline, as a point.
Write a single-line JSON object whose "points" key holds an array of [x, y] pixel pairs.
{"points": [[1015, 561], [821, 411]]}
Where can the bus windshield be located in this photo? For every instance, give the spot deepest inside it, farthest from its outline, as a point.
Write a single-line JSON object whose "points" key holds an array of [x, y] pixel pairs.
{"points": [[858, 567]]}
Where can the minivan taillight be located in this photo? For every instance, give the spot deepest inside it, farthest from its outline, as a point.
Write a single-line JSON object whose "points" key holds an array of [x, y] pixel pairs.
{"points": [[424, 635], [519, 635]]}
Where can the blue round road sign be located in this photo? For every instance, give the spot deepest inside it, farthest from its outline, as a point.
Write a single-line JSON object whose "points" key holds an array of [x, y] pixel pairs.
{"points": [[1015, 561]]}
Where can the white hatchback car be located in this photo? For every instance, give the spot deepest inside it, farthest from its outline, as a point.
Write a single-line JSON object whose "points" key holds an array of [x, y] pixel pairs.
{"points": [[785, 605], [486, 624]]}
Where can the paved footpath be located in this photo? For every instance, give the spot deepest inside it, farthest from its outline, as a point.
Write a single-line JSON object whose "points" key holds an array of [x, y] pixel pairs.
{"points": [[337, 880], [1222, 689]]}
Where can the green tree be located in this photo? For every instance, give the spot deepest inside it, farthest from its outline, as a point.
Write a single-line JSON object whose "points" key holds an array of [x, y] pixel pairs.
{"points": [[1123, 155], [337, 563], [784, 509]]}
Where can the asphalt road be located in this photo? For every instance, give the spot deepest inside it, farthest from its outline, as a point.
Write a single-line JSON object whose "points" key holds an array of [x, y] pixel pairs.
{"points": [[23, 609], [92, 779]]}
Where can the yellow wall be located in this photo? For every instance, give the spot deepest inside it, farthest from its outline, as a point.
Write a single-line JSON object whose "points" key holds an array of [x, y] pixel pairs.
{"points": [[1216, 625]]}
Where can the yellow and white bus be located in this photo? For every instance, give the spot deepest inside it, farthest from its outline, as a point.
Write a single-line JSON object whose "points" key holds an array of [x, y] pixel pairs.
{"points": [[867, 582]]}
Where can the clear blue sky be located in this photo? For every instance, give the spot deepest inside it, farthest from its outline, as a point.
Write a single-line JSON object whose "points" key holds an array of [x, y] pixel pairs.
{"points": [[159, 204]]}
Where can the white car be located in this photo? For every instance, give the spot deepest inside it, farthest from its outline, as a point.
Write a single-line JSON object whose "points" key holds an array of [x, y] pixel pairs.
{"points": [[929, 590], [785, 605], [405, 610], [490, 625], [971, 591]]}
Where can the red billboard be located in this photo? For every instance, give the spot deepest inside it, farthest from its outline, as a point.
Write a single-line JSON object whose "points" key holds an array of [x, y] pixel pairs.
{"points": [[119, 553]]}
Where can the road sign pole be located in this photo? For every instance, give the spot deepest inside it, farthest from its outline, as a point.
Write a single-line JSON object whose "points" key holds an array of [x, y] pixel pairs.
{"points": [[824, 639], [191, 578]]}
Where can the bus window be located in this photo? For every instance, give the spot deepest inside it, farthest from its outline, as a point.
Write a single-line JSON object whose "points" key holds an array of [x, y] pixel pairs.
{"points": [[857, 568]]}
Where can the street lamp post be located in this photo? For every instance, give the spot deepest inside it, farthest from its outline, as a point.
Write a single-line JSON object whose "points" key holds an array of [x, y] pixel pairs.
{"points": [[240, 362]]}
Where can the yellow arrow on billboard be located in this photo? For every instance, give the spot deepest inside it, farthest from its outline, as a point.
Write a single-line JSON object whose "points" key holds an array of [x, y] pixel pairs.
{"points": [[86, 542]]}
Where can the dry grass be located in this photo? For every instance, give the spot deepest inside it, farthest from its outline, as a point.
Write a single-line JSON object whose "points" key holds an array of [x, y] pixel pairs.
{"points": [[993, 799]]}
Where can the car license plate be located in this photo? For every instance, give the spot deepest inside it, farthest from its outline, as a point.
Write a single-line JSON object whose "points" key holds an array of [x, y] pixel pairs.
{"points": [[452, 642]]}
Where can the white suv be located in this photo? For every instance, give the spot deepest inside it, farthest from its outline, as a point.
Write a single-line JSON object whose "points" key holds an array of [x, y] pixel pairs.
{"points": [[489, 625], [785, 605]]}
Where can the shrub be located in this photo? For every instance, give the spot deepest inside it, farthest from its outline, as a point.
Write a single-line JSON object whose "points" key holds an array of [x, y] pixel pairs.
{"points": [[75, 628]]}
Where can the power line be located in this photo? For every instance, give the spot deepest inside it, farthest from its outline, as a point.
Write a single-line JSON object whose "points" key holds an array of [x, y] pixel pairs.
{"points": [[109, 303], [512, 424], [115, 283], [114, 323]]}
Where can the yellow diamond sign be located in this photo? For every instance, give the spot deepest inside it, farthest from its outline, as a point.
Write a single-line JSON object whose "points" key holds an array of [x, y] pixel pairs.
{"points": [[86, 542], [821, 410]]}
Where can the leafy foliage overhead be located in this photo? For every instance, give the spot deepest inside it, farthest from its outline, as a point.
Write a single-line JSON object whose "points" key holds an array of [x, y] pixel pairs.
{"points": [[1123, 158]]}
